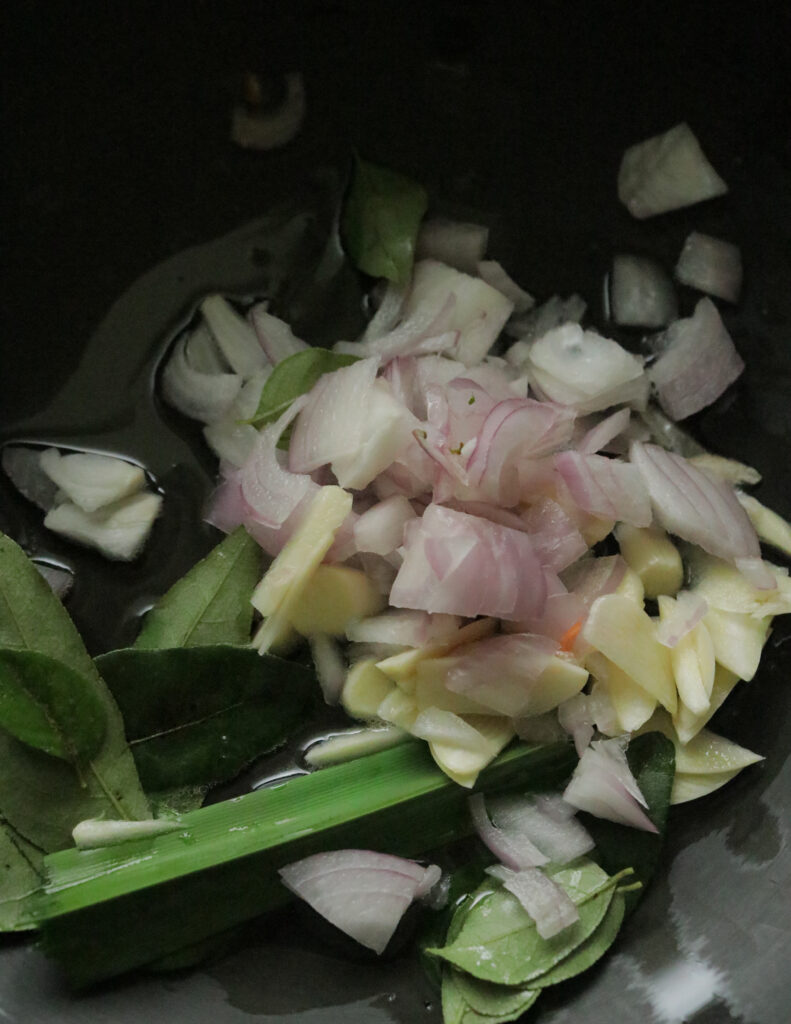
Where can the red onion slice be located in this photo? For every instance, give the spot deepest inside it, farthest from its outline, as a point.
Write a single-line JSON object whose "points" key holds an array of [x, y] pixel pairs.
{"points": [[514, 853], [599, 436], [697, 363], [274, 336], [387, 314], [605, 487], [380, 529], [543, 899], [500, 672], [701, 509], [688, 610], [364, 894], [603, 785]]}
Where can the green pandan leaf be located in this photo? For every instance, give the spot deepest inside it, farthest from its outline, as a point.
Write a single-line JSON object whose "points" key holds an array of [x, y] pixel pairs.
{"points": [[211, 604], [295, 376], [652, 760], [21, 875], [42, 797], [197, 715], [380, 221], [457, 1008], [586, 955], [48, 705], [514, 952]]}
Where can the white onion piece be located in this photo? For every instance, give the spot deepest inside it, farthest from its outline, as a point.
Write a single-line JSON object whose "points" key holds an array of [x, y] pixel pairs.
{"points": [[500, 672], [582, 368], [252, 129], [688, 610], [92, 481], [699, 508], [555, 537], [457, 243], [478, 313], [203, 353], [548, 822], [425, 330], [270, 490], [236, 339], [387, 432], [493, 273], [711, 265], [201, 396], [117, 531], [381, 529], [464, 565], [404, 627], [95, 832], [603, 785], [60, 580], [331, 668], [22, 465], [641, 293], [535, 324], [275, 337], [666, 172], [333, 423], [364, 894], [387, 314], [543, 899], [516, 853], [231, 438], [605, 431], [697, 363], [585, 712], [605, 487]]}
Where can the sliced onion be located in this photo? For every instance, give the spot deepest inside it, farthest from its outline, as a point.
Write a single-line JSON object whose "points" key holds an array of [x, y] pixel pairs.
{"points": [[583, 369], [593, 577], [92, 481], [711, 265], [700, 508], [666, 172], [457, 243], [253, 129], [493, 273], [605, 431], [425, 329], [548, 822], [387, 434], [236, 339], [641, 293], [275, 337], [231, 438], [555, 537], [381, 528], [479, 311], [387, 314], [330, 665], [226, 508], [543, 899], [364, 894], [516, 853], [270, 490], [698, 362], [404, 628], [585, 712], [535, 324], [500, 672], [603, 785], [201, 396], [605, 487], [203, 352], [688, 610], [22, 465], [464, 565]]}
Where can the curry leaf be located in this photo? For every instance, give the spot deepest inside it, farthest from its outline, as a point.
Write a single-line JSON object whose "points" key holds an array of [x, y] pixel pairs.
{"points": [[211, 604], [586, 955], [516, 953], [380, 221], [198, 715], [652, 761], [41, 797], [295, 376], [467, 1000], [48, 705], [21, 875]]}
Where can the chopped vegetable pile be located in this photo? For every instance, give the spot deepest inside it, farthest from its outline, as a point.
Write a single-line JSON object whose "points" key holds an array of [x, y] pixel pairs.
{"points": [[526, 600]]}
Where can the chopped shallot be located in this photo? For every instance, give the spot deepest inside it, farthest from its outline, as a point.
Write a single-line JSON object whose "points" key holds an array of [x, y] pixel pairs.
{"points": [[711, 265], [603, 785]]}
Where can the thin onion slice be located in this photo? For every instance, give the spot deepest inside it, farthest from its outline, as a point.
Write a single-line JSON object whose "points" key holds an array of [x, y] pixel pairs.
{"points": [[605, 487], [234, 336], [515, 853], [686, 612], [275, 337], [711, 265], [547, 821], [542, 898], [605, 431], [603, 785], [363, 893]]}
